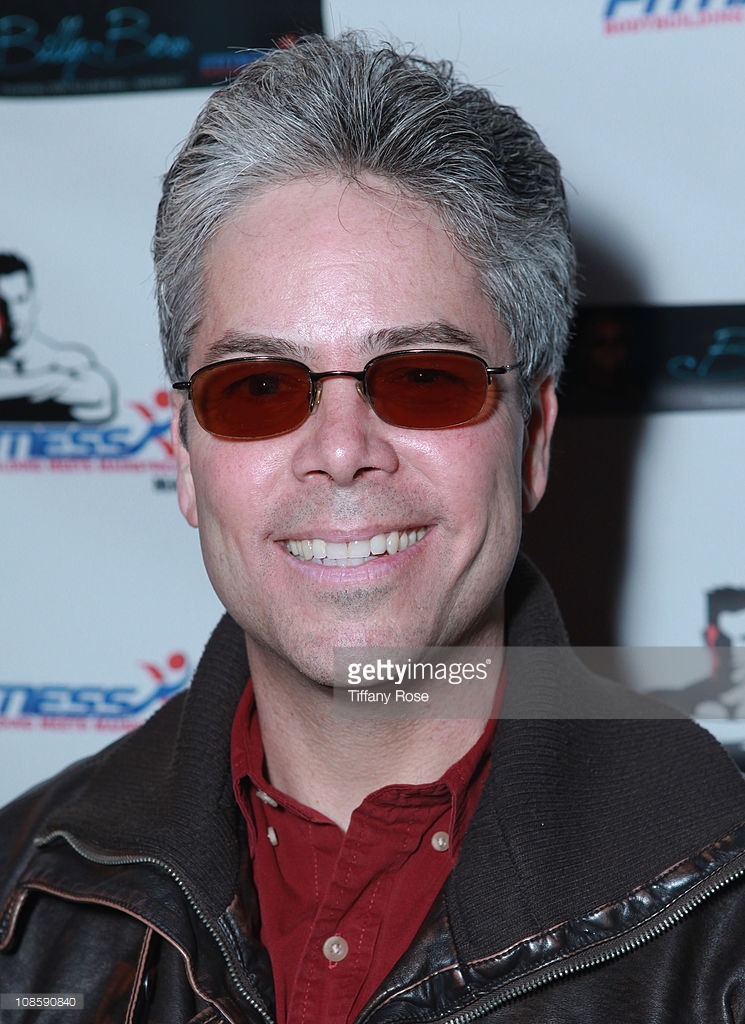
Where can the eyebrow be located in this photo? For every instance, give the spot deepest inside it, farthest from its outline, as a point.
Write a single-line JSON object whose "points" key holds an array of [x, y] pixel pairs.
{"points": [[388, 339], [430, 335], [236, 343]]}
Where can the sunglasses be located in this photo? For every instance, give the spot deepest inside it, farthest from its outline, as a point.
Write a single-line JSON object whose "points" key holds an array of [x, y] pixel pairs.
{"points": [[256, 397]]}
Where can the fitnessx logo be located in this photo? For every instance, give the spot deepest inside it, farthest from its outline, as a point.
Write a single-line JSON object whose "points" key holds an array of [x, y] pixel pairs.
{"points": [[136, 441], [622, 16], [65, 707]]}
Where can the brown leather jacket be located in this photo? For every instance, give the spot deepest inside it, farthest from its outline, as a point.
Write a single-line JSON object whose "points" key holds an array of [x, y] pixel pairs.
{"points": [[602, 877]]}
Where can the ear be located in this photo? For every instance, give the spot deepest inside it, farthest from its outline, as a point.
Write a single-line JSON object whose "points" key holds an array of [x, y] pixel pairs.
{"points": [[537, 444], [187, 500]]}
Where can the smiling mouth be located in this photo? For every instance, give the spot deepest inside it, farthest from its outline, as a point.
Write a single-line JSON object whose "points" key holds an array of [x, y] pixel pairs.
{"points": [[354, 552]]}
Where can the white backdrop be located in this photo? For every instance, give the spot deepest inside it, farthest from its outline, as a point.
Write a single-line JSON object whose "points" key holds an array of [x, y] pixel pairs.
{"points": [[103, 597]]}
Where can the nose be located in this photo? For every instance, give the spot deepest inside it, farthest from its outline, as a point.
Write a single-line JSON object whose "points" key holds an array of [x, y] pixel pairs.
{"points": [[343, 439]]}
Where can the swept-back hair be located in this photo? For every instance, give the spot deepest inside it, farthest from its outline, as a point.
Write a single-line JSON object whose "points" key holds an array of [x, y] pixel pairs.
{"points": [[347, 108], [10, 263]]}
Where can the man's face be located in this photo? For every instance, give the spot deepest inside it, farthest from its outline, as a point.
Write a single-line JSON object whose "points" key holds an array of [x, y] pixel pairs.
{"points": [[18, 294], [733, 624], [318, 269]]}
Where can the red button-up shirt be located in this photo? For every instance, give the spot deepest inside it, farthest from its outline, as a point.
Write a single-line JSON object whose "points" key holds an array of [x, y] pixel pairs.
{"points": [[339, 909]]}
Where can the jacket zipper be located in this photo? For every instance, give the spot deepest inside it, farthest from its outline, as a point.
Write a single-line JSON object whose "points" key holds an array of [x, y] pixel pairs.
{"points": [[102, 858], [639, 936]]}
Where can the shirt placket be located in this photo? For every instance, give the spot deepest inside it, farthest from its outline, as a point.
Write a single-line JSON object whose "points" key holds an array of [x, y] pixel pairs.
{"points": [[342, 942]]}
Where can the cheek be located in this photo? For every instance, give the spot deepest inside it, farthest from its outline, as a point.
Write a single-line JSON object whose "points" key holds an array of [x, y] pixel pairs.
{"points": [[233, 486], [220, 501], [229, 548], [476, 470], [494, 508]]}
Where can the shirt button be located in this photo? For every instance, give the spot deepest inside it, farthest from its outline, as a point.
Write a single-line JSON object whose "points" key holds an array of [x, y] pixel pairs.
{"points": [[441, 842], [335, 948]]}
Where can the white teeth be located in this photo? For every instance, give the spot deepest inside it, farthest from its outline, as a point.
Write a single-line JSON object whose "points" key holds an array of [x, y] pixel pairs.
{"points": [[359, 548], [336, 550], [354, 552]]}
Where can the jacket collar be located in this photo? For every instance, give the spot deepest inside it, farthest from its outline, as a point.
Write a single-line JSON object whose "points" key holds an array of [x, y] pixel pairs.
{"points": [[164, 791], [593, 790]]}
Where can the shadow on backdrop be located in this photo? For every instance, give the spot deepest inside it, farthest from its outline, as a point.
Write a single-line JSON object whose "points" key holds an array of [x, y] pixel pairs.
{"points": [[578, 534]]}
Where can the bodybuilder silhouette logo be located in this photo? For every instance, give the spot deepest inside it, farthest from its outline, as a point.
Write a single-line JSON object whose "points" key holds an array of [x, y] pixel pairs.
{"points": [[721, 695], [42, 380]]}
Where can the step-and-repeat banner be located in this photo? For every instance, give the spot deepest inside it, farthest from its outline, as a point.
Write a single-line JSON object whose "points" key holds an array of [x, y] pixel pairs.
{"points": [[104, 604]]}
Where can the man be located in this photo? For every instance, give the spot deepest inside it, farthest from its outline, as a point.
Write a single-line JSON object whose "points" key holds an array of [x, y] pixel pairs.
{"points": [[365, 282], [41, 379]]}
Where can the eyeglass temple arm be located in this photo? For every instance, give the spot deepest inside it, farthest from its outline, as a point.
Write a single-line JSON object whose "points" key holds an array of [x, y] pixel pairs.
{"points": [[492, 370]]}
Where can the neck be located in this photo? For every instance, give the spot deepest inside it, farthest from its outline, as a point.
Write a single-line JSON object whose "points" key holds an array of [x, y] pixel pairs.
{"points": [[329, 753]]}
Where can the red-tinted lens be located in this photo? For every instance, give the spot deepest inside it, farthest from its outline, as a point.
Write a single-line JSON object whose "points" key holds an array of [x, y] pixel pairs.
{"points": [[427, 389], [248, 399]]}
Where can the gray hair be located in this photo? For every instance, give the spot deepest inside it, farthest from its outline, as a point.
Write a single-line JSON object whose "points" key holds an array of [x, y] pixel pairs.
{"points": [[344, 107]]}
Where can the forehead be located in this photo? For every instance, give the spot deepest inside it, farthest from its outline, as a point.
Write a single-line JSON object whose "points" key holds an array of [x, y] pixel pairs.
{"points": [[324, 264], [733, 623]]}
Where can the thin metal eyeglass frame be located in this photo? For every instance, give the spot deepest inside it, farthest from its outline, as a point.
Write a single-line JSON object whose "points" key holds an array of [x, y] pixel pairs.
{"points": [[360, 376]]}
